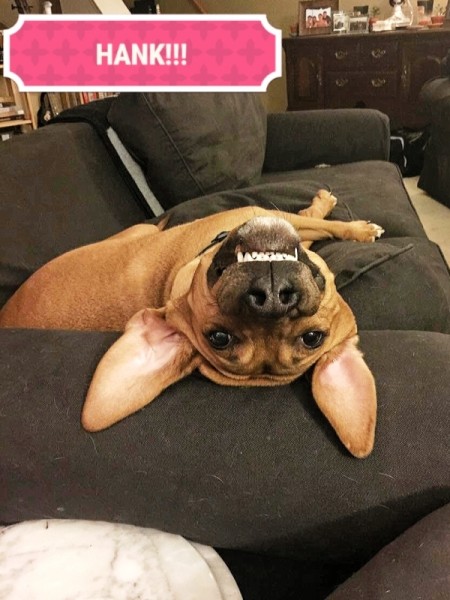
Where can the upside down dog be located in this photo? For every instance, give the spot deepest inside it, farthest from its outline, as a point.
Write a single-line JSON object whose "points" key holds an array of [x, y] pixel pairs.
{"points": [[255, 307]]}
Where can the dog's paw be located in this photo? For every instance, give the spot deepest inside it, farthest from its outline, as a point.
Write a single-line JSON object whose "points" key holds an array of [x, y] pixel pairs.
{"points": [[364, 231], [326, 200]]}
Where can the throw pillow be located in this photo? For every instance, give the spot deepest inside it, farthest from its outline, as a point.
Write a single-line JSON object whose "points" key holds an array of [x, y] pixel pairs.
{"points": [[192, 144]]}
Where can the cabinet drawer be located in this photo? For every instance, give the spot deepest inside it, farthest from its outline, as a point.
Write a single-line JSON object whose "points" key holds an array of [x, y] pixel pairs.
{"points": [[343, 55], [360, 85], [378, 55]]}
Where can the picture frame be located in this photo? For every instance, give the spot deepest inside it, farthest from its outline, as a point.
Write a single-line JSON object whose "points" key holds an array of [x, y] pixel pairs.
{"points": [[315, 17], [358, 24], [340, 22]]}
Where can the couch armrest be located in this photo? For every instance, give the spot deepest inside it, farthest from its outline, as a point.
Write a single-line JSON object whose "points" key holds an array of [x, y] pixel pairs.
{"points": [[303, 139]]}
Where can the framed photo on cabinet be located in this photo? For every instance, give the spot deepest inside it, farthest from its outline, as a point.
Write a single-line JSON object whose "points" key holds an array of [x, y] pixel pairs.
{"points": [[315, 17]]}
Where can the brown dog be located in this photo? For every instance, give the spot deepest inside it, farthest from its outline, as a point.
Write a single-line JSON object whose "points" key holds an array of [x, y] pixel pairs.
{"points": [[255, 307]]}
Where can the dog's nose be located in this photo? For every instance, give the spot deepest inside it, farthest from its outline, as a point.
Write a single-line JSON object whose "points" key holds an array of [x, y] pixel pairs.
{"points": [[278, 289], [272, 297]]}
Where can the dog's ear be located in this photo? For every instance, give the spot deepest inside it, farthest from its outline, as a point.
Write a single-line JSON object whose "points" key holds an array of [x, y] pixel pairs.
{"points": [[344, 389], [146, 359]]}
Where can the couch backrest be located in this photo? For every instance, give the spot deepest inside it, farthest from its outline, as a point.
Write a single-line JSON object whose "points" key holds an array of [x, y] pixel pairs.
{"points": [[192, 144]]}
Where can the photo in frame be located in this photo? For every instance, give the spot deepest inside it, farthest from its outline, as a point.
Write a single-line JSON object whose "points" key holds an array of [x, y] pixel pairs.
{"points": [[315, 17], [358, 24], [340, 22]]}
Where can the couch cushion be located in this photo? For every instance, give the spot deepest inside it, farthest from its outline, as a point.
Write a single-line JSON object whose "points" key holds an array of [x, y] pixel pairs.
{"points": [[373, 189], [254, 468], [415, 565], [398, 283], [192, 144], [59, 189]]}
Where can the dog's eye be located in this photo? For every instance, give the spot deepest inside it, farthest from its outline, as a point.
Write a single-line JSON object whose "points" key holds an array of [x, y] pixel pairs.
{"points": [[219, 339], [312, 339]]}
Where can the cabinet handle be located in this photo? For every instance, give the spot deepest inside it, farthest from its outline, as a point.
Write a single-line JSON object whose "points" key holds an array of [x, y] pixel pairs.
{"points": [[378, 53], [378, 82], [341, 82], [341, 54]]}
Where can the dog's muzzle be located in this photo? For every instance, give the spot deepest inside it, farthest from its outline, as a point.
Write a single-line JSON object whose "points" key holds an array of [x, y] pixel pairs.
{"points": [[261, 270]]}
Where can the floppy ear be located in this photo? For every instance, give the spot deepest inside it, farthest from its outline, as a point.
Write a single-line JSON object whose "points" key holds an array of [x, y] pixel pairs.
{"points": [[344, 389], [147, 358]]}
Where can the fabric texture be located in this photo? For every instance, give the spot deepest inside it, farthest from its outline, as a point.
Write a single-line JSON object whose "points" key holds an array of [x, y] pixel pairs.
{"points": [[303, 139], [96, 114], [435, 175], [80, 198], [415, 565], [387, 284], [192, 144], [242, 468]]}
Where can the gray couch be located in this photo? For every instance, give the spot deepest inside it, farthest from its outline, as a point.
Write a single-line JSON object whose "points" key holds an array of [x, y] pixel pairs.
{"points": [[258, 474], [435, 98]]}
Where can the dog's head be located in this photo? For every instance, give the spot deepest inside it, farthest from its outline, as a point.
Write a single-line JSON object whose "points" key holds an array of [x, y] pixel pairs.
{"points": [[255, 309]]}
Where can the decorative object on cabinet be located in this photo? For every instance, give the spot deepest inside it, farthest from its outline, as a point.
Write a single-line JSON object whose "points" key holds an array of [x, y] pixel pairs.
{"points": [[340, 22], [358, 23], [403, 14], [385, 71], [315, 16]]}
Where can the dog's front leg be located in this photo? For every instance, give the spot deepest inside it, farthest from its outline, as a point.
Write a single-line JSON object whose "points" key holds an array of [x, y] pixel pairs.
{"points": [[321, 206], [312, 229]]}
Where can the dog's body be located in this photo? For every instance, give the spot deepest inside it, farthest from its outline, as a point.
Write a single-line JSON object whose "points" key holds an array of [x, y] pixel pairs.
{"points": [[253, 308]]}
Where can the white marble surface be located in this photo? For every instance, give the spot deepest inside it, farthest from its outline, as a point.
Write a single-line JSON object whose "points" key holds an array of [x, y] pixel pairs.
{"points": [[93, 560]]}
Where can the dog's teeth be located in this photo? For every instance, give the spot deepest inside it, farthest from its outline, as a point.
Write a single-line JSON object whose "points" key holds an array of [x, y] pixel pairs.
{"points": [[265, 256]]}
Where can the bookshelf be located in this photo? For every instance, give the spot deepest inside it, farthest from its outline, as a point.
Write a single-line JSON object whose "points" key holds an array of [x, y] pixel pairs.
{"points": [[59, 101], [16, 111], [15, 107]]}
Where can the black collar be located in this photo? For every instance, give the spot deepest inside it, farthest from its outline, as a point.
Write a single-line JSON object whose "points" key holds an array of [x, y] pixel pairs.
{"points": [[219, 237]]}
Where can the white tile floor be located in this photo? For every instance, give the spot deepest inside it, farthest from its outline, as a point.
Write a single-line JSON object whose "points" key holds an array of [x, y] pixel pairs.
{"points": [[435, 216]]}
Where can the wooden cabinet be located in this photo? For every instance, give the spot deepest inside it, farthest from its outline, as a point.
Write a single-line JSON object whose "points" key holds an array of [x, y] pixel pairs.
{"points": [[377, 70]]}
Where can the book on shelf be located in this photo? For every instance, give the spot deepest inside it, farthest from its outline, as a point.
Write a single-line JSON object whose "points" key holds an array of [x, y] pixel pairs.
{"points": [[87, 97], [52, 103], [11, 112]]}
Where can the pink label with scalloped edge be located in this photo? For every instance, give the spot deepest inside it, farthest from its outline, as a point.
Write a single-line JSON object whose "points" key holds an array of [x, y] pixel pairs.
{"points": [[79, 52]]}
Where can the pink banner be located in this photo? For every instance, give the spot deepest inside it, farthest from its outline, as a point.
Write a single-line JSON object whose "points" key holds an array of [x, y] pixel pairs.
{"points": [[142, 53]]}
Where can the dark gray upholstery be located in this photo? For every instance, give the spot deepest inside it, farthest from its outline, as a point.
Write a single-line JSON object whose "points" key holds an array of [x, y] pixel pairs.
{"points": [[297, 140], [192, 144], [249, 468], [435, 175], [244, 470], [59, 190], [415, 565]]}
